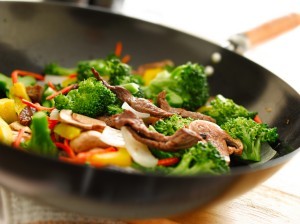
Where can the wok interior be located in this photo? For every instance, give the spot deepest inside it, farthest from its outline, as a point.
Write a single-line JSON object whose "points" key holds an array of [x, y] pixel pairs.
{"points": [[33, 35]]}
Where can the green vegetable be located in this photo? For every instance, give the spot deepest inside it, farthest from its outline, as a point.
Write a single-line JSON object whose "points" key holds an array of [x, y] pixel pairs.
{"points": [[47, 92], [170, 125], [186, 86], [55, 69], [6, 83], [222, 109], [84, 68], [91, 98], [252, 134], [199, 159], [40, 141]]}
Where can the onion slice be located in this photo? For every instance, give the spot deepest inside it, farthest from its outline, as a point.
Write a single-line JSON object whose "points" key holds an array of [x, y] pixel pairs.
{"points": [[126, 106], [137, 150], [113, 137]]}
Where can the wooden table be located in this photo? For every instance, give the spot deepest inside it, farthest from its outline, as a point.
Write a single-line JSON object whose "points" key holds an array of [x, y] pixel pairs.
{"points": [[275, 201]]}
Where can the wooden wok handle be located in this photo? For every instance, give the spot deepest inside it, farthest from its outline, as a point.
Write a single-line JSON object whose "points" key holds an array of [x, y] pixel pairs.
{"points": [[267, 31], [272, 29]]}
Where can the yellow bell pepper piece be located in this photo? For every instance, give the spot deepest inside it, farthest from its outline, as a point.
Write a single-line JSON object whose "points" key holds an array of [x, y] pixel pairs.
{"points": [[118, 158], [68, 81], [17, 92], [150, 74], [7, 110], [67, 131], [6, 136]]}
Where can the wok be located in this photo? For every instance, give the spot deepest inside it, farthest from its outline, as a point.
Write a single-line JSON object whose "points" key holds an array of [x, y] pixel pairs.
{"points": [[34, 34]]}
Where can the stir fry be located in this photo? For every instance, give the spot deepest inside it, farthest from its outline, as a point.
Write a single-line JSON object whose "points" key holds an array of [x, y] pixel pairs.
{"points": [[158, 117]]}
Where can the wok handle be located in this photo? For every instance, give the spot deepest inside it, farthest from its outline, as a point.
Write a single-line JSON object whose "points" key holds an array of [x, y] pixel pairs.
{"points": [[267, 31]]}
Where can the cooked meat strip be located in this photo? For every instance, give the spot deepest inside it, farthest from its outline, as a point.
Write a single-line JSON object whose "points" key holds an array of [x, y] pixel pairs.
{"points": [[211, 132], [182, 139], [35, 93], [128, 118], [139, 104], [158, 64], [163, 104], [25, 115]]}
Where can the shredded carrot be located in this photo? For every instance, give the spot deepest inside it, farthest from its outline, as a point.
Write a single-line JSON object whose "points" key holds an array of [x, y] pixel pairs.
{"points": [[257, 119], [118, 49], [18, 140], [168, 161], [74, 75], [65, 147], [52, 86], [15, 73], [85, 155], [126, 58], [37, 106], [62, 91]]}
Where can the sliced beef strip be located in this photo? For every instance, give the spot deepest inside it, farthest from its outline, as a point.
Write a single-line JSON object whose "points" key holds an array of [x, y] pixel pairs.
{"points": [[139, 104], [211, 132], [25, 115], [35, 93], [163, 104], [182, 139]]}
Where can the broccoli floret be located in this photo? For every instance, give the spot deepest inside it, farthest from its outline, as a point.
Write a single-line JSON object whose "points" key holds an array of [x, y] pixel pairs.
{"points": [[84, 68], [170, 125], [40, 141], [222, 109], [201, 158], [186, 86], [55, 69], [91, 98], [252, 134]]}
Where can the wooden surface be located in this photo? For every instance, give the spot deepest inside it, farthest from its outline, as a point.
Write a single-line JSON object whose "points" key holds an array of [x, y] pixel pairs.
{"points": [[275, 201]]}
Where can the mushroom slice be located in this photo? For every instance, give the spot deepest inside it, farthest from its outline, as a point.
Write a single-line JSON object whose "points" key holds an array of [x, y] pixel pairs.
{"points": [[80, 121], [16, 126], [96, 124], [87, 140]]}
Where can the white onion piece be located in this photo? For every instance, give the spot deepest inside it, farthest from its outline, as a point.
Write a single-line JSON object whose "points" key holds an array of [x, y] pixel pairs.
{"points": [[137, 150], [126, 106], [54, 115], [113, 137], [55, 79]]}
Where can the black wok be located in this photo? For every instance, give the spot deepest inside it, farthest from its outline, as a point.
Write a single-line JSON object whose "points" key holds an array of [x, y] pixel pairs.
{"points": [[34, 34]]}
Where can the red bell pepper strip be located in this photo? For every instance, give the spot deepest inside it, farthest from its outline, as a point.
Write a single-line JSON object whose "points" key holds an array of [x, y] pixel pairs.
{"points": [[168, 161]]}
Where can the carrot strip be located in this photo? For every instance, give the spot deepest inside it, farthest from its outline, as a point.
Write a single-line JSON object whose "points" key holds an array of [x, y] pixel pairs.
{"points": [[85, 155], [15, 73], [51, 85], [65, 147], [17, 142], [62, 91], [257, 119], [126, 58], [72, 75], [36, 106], [168, 161], [118, 49]]}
